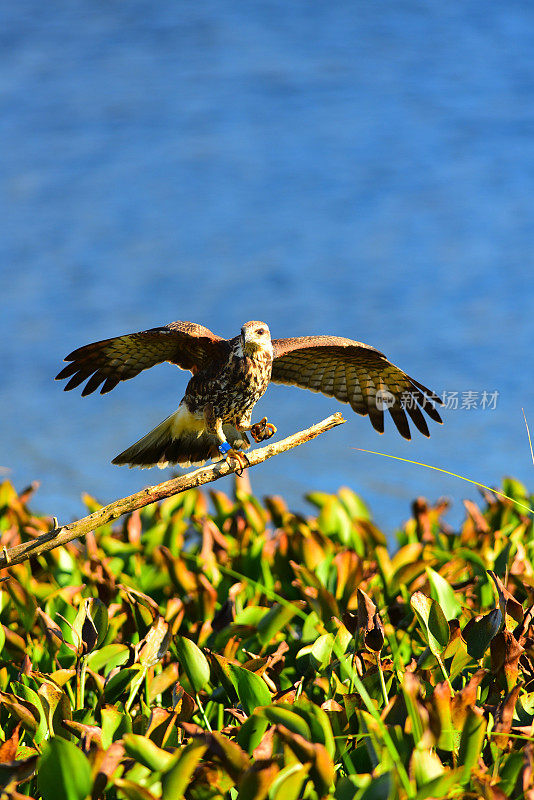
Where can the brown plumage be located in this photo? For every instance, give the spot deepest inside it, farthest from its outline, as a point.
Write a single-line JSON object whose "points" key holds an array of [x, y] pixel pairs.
{"points": [[186, 344], [230, 376]]}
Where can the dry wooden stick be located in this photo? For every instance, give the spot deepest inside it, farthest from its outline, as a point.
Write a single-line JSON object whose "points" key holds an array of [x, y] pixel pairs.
{"points": [[61, 535]]}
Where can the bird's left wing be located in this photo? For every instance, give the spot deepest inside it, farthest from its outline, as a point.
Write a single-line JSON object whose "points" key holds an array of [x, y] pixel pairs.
{"points": [[353, 373], [186, 344]]}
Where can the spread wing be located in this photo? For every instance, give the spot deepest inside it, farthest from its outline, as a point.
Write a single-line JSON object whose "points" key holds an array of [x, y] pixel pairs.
{"points": [[186, 344], [353, 373]]}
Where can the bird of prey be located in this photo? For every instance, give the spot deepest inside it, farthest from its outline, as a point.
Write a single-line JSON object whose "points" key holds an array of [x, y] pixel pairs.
{"points": [[230, 376]]}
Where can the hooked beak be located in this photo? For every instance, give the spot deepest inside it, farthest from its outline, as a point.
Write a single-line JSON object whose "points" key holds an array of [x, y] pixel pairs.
{"points": [[249, 345]]}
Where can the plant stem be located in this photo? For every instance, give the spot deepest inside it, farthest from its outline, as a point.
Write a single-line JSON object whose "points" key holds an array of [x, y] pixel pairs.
{"points": [[202, 712], [81, 670], [352, 671], [444, 672], [382, 681], [386, 736]]}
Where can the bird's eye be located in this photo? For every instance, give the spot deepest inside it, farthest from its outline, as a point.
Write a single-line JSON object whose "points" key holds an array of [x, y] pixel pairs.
{"points": [[260, 331]]}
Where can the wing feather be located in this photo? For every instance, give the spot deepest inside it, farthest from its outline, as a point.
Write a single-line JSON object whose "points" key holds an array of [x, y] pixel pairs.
{"points": [[186, 344], [417, 418], [354, 372]]}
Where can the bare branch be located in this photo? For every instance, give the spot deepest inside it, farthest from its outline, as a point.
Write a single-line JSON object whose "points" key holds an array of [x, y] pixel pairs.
{"points": [[61, 535]]}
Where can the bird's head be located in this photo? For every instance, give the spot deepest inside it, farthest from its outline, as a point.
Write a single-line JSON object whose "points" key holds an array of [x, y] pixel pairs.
{"points": [[256, 336]]}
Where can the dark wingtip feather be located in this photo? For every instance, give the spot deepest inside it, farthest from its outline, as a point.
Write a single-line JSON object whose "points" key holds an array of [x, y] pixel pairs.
{"points": [[80, 351], [404, 432], [429, 393], [429, 408], [398, 416], [93, 383], [76, 379], [377, 420], [416, 415], [66, 372], [426, 400], [109, 384]]}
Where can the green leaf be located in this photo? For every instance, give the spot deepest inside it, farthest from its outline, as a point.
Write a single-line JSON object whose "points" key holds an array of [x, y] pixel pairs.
{"points": [[380, 788], [501, 562], [321, 651], [432, 620], [114, 725], [277, 618], [441, 591], [319, 723], [146, 752], [471, 743], [251, 732], [426, 766], [117, 685], [282, 714], [354, 504], [348, 787], [194, 662], [56, 706], [509, 771], [251, 615], [31, 696], [319, 499], [177, 778], [130, 790], [441, 786], [64, 772], [288, 783], [251, 689], [334, 521], [479, 633], [515, 489], [112, 655]]}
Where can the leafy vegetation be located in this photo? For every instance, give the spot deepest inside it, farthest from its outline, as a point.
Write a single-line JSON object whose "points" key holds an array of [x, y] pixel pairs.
{"points": [[227, 648]]}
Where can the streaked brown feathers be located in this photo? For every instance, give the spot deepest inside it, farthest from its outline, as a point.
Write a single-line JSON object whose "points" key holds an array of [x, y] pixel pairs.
{"points": [[350, 371], [186, 344], [354, 372]]}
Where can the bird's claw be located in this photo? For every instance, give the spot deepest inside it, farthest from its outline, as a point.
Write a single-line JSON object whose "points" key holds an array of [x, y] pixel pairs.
{"points": [[262, 430], [241, 458]]}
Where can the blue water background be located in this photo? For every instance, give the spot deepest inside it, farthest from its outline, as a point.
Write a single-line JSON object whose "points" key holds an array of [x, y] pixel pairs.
{"points": [[357, 168]]}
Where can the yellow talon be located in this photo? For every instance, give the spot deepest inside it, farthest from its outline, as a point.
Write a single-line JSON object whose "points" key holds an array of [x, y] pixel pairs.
{"points": [[262, 430], [241, 458]]}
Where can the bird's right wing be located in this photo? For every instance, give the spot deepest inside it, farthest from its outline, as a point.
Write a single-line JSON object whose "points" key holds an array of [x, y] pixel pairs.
{"points": [[186, 344]]}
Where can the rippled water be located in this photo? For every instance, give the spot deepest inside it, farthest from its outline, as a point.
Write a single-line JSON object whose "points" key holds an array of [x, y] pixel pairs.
{"points": [[355, 168]]}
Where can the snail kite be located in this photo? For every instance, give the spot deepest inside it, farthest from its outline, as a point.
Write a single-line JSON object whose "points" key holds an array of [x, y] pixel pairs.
{"points": [[230, 376]]}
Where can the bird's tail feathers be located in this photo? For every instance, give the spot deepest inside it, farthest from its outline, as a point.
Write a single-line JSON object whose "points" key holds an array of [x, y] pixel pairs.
{"points": [[181, 439]]}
